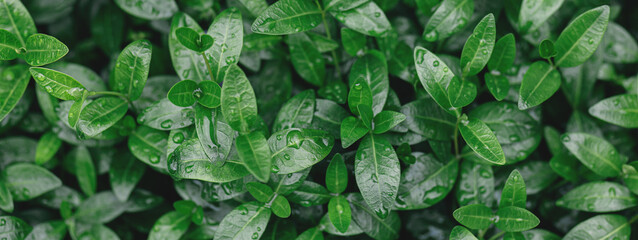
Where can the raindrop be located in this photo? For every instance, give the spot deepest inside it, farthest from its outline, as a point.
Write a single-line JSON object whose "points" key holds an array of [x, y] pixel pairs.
{"points": [[591, 41], [514, 138], [435, 63], [173, 166], [485, 174], [242, 210], [178, 137], [612, 191], [377, 14], [230, 60], [226, 188], [274, 169], [566, 139], [289, 175], [432, 36], [189, 168], [294, 139], [445, 69], [49, 89], [286, 156], [357, 86], [465, 122], [3, 222], [166, 123]]}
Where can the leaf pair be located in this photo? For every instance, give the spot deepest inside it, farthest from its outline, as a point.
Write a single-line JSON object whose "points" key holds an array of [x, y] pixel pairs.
{"points": [[38, 50], [339, 210], [263, 193], [192, 40], [186, 92]]}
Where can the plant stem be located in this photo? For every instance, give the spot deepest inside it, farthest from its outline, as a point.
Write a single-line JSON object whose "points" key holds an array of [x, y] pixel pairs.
{"points": [[496, 236], [210, 71], [456, 137], [328, 35]]}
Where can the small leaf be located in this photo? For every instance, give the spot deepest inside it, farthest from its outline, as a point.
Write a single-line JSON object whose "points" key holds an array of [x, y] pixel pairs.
{"points": [[608, 226], [366, 18], [209, 94], [296, 149], [150, 9], [43, 49], [581, 37], [598, 197], [171, 225], [192, 40], [498, 85], [360, 94], [239, 104], [131, 69], [546, 49], [189, 161], [297, 112], [373, 70], [101, 114], [310, 194], [514, 193], [534, 13], [441, 25], [281, 207], [352, 129], [187, 64], [27, 181], [461, 92], [504, 54], [515, 219], [478, 47], [539, 83], [475, 216], [84, 169], [253, 150], [228, 31], [352, 41], [621, 110], [260, 191], [15, 82], [76, 110], [340, 213], [461, 233], [386, 120], [48, 145], [247, 221], [181, 94], [287, 17], [366, 115], [337, 175], [482, 140], [9, 45], [124, 173], [595, 153], [57, 84], [435, 76]]}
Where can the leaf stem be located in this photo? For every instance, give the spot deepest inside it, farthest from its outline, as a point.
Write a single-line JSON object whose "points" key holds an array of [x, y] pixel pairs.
{"points": [[496, 236], [456, 137], [329, 36], [210, 71]]}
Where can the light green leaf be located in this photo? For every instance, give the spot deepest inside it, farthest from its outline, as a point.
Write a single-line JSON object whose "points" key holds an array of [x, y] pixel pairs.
{"points": [[595, 153], [124, 173], [181, 94], [475, 184], [426, 182], [57, 84], [546, 49], [425, 117], [328, 227], [449, 18], [515, 219], [461, 233], [27, 181], [281, 207], [504, 54], [608, 226], [482, 140], [188, 161], [171, 225], [618, 45], [9, 45], [337, 175], [16, 19], [84, 169], [306, 59], [149, 9], [208, 94], [297, 149], [498, 85], [461, 92], [215, 135], [43, 49], [366, 18], [287, 17], [12, 87], [149, 146], [378, 173], [352, 129], [581, 37], [187, 63], [14, 228], [254, 152], [621, 110], [101, 114], [131, 69], [248, 221], [435, 77], [261, 192], [340, 213], [534, 13], [48, 145], [478, 47], [192, 40], [475, 216], [297, 112], [239, 105], [87, 77], [366, 115], [539, 83], [310, 194], [164, 115], [228, 32], [514, 193], [371, 68], [598, 197], [386, 120], [102, 207]]}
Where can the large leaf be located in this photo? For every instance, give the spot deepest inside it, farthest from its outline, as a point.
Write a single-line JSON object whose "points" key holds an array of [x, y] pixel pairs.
{"points": [[539, 83], [514, 193], [214, 133], [287, 17], [297, 112], [189, 161], [16, 19], [515, 219], [306, 59], [239, 105], [247, 221], [297, 149], [581, 37], [478, 47], [131, 69], [435, 76], [475, 184], [621, 110], [149, 9], [14, 83], [101, 114], [475, 216], [27, 181], [534, 13], [449, 18], [124, 173], [378, 173], [228, 32], [426, 182], [371, 223], [598, 197], [366, 18], [254, 152], [43, 49], [595, 153], [57, 84], [149, 146], [164, 115], [482, 140], [600, 227], [171, 225], [618, 46], [100, 208], [373, 69]]}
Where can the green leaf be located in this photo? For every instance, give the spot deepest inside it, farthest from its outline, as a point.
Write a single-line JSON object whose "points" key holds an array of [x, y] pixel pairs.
{"points": [[534, 13], [371, 223], [260, 191], [461, 233], [366, 18], [27, 181], [228, 32], [337, 175], [149, 10], [6, 200], [378, 172], [17, 20], [296, 149], [618, 45], [387, 120], [254, 152], [306, 59], [514, 193], [449, 18], [595, 153], [476, 184], [353, 42], [461, 92], [171, 225], [329, 228], [164, 115], [536, 234], [373, 70], [48, 145], [248, 221], [498, 85], [101, 114], [187, 64], [328, 116], [425, 117], [9, 45], [310, 194], [281, 207], [598, 197], [621, 110], [426, 182], [539, 83], [238, 100], [55, 229], [482, 140], [149, 146], [340, 213], [478, 47], [287, 17], [43, 49], [285, 184], [86, 76], [581, 37], [181, 94], [102, 207], [504, 54], [546, 49], [435, 76], [124, 173], [475, 216], [131, 69], [189, 161], [515, 219], [311, 234], [208, 94], [57, 84], [15, 82], [366, 115], [297, 112], [14, 228], [193, 40], [360, 94], [352, 129], [608, 226], [215, 135], [76, 110], [84, 169]]}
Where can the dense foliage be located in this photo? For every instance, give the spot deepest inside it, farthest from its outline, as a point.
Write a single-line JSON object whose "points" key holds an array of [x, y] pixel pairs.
{"points": [[313, 119]]}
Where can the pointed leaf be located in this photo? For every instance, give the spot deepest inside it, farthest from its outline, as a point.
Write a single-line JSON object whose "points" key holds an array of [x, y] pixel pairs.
{"points": [[296, 149], [131, 69], [239, 105], [581, 37], [228, 32], [57, 84], [287, 17], [248, 221], [101, 114], [27, 181], [595, 153], [352, 129], [514, 193], [607, 226], [621, 110], [598, 197], [482, 140], [475, 216], [435, 77], [254, 152], [478, 47], [539, 83], [504, 54]]}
